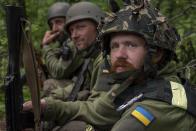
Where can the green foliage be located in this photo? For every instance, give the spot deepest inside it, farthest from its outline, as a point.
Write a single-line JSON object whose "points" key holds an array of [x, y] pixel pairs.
{"points": [[2, 107], [181, 14], [177, 11]]}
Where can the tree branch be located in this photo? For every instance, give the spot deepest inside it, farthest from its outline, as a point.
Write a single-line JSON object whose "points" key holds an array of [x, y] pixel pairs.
{"points": [[184, 12], [190, 65], [188, 33]]}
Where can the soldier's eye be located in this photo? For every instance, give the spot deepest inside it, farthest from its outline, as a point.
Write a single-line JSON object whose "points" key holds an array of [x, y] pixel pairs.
{"points": [[71, 30], [59, 22], [131, 45], [114, 46], [81, 26]]}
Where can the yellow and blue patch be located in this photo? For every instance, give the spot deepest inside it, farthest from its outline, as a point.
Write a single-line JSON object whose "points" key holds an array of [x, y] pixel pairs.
{"points": [[143, 115], [105, 70]]}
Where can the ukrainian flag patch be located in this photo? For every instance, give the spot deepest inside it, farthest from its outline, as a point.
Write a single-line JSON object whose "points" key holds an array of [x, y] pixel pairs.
{"points": [[142, 115], [105, 70]]}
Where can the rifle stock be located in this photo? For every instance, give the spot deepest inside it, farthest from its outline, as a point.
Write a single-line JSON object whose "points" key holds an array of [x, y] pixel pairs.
{"points": [[13, 90]]}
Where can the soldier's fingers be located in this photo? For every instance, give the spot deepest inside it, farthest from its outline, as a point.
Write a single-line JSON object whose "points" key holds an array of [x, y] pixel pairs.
{"points": [[46, 38], [47, 33], [27, 106], [53, 36], [52, 32], [49, 37], [43, 105]]}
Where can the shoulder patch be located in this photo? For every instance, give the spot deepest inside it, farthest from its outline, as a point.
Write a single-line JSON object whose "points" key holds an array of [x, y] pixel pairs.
{"points": [[105, 70], [142, 115]]}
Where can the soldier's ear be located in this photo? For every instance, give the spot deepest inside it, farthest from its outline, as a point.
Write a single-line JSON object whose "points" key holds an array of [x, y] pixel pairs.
{"points": [[157, 57]]}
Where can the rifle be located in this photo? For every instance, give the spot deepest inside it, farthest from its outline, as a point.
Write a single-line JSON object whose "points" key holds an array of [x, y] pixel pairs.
{"points": [[13, 90], [15, 118]]}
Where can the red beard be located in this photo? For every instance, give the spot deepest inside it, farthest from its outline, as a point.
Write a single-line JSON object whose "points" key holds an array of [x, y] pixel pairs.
{"points": [[121, 63]]}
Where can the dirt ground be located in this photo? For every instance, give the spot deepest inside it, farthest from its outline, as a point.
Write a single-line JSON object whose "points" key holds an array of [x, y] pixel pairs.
{"points": [[2, 124]]}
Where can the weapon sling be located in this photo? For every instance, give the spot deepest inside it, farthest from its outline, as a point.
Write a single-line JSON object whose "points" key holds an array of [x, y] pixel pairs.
{"points": [[79, 82], [30, 66]]}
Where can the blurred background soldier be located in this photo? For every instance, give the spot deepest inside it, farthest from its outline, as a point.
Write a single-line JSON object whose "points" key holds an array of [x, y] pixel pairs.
{"points": [[56, 20], [76, 71], [81, 24], [56, 17]]}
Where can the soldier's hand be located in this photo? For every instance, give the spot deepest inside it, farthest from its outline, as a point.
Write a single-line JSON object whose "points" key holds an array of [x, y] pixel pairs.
{"points": [[28, 106], [50, 36]]}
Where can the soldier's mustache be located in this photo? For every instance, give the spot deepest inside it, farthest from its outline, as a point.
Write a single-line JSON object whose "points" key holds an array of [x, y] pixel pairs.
{"points": [[121, 63]]}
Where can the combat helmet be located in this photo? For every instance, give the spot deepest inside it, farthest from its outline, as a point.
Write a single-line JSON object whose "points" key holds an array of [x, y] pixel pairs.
{"points": [[140, 18], [84, 10], [58, 9]]}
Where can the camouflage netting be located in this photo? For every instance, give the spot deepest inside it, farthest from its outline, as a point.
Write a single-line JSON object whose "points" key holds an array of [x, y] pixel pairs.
{"points": [[140, 18]]}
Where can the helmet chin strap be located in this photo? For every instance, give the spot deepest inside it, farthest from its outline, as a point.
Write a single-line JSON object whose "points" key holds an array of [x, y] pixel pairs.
{"points": [[147, 68], [107, 65]]}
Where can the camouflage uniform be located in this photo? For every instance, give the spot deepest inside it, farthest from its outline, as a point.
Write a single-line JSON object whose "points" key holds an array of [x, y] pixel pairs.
{"points": [[57, 10], [165, 103], [99, 110], [156, 109], [70, 69], [59, 68]]}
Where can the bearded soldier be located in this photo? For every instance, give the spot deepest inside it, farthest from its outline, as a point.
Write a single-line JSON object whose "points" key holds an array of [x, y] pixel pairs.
{"points": [[138, 87], [56, 20], [56, 37]]}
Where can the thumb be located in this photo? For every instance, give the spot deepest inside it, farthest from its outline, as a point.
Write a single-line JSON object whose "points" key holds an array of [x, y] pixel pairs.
{"points": [[27, 106]]}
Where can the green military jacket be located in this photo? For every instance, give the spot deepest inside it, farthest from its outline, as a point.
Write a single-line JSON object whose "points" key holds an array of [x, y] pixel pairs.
{"points": [[166, 118], [99, 110], [71, 68], [63, 93], [57, 66]]}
